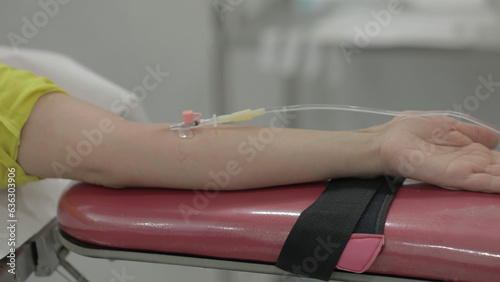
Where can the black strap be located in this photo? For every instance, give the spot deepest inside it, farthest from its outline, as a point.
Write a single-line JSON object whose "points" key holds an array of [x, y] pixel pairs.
{"points": [[373, 219], [319, 236]]}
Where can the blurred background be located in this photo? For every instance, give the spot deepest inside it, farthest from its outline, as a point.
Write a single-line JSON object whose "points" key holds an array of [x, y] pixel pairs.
{"points": [[229, 55]]}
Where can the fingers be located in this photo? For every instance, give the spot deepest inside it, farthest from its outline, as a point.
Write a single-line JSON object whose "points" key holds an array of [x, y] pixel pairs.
{"points": [[482, 182], [479, 134], [494, 167], [486, 179], [493, 170]]}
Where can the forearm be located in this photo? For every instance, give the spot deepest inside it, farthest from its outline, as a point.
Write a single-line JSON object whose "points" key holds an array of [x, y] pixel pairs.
{"points": [[68, 138], [237, 157]]}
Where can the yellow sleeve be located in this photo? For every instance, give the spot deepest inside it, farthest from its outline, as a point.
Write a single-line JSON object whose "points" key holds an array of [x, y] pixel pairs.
{"points": [[19, 91]]}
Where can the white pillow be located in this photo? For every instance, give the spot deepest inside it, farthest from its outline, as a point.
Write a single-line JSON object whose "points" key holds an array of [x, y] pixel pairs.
{"points": [[76, 79]]}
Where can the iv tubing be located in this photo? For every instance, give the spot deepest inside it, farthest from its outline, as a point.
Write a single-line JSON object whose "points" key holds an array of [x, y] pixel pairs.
{"points": [[304, 107], [249, 114]]}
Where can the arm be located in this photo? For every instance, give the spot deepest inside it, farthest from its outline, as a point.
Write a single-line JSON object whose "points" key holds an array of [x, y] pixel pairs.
{"points": [[65, 137]]}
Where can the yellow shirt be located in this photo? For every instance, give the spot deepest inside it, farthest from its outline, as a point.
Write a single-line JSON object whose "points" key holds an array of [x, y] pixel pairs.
{"points": [[19, 91]]}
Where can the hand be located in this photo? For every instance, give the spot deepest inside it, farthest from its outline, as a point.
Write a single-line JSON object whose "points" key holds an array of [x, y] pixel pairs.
{"points": [[442, 151]]}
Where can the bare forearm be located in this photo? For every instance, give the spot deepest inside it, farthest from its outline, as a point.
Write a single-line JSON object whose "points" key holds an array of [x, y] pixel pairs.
{"points": [[71, 139], [236, 157]]}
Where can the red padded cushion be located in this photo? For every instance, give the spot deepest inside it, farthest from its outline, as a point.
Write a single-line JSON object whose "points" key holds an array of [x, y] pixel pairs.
{"points": [[430, 232]]}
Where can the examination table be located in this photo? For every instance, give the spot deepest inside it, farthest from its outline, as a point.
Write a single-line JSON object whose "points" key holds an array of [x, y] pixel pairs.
{"points": [[430, 233]]}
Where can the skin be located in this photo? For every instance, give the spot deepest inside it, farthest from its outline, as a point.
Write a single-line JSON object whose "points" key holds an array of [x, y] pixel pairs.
{"points": [[436, 150]]}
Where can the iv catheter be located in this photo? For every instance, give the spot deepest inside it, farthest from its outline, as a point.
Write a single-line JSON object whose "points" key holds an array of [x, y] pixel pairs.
{"points": [[193, 120]]}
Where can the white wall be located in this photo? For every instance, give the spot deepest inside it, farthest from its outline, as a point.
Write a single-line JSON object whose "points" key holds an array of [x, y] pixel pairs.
{"points": [[119, 39]]}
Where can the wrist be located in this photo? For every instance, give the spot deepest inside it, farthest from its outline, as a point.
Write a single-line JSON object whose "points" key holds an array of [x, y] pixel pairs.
{"points": [[370, 153]]}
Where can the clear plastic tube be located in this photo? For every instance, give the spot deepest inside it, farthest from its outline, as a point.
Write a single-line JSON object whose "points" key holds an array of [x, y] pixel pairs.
{"points": [[295, 108], [184, 128]]}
